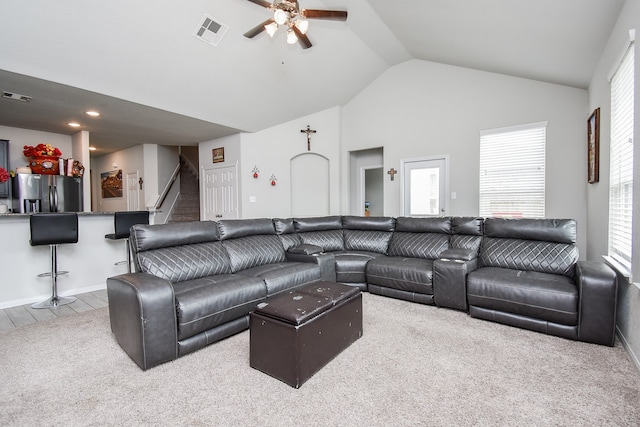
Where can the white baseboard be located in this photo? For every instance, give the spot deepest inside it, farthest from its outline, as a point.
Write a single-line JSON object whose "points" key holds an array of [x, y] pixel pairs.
{"points": [[625, 344], [31, 300]]}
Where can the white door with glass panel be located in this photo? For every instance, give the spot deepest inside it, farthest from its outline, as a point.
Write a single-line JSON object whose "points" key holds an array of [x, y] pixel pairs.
{"points": [[424, 184], [220, 198]]}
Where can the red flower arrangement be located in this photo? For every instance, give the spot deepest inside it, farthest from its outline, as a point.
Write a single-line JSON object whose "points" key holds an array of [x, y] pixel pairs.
{"points": [[41, 150], [4, 175]]}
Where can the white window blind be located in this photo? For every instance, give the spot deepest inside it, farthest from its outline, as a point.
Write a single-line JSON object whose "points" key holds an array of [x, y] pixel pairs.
{"points": [[512, 171], [621, 161]]}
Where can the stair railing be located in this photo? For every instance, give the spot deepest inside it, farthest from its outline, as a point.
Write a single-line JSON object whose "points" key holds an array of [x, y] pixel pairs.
{"points": [[167, 187], [190, 166]]}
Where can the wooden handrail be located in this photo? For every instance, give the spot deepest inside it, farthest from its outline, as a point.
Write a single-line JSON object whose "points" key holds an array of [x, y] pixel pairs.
{"points": [[168, 187]]}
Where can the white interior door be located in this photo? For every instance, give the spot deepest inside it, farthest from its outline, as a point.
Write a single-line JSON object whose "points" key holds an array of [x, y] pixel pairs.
{"points": [[133, 191], [220, 194], [424, 186]]}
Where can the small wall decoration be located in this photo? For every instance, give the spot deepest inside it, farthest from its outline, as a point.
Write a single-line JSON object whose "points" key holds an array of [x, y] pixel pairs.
{"points": [[273, 180], [593, 147], [308, 131], [256, 172], [218, 155], [392, 173], [111, 184]]}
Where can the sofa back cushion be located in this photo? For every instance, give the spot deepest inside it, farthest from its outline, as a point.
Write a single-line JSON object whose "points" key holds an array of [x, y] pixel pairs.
{"points": [[234, 228], [370, 234], [325, 232], [252, 251], [466, 233], [545, 230], [146, 237], [250, 242], [423, 238], [286, 231], [542, 245], [186, 262]]}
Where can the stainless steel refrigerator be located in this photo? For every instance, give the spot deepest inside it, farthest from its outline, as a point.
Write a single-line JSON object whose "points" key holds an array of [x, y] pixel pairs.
{"points": [[47, 193]]}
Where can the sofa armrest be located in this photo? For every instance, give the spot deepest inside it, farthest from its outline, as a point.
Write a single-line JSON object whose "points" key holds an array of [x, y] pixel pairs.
{"points": [[598, 289], [326, 261], [143, 317], [450, 281]]}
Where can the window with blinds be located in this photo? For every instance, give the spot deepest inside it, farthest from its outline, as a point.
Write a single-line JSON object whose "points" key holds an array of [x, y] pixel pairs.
{"points": [[512, 171], [621, 161]]}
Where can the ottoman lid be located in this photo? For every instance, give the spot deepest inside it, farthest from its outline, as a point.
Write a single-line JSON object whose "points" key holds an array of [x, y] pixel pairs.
{"points": [[300, 305]]}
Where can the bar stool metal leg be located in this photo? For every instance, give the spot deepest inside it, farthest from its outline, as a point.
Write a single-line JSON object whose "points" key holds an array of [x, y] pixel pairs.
{"points": [[55, 300]]}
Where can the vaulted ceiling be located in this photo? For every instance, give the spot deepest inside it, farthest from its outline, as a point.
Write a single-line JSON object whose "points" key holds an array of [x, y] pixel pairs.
{"points": [[139, 63]]}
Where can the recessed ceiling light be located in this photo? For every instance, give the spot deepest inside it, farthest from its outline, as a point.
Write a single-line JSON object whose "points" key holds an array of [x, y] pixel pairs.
{"points": [[92, 113], [92, 148], [74, 124]]}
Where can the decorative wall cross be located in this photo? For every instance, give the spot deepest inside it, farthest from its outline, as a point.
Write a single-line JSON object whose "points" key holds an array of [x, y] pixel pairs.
{"points": [[308, 131], [392, 172]]}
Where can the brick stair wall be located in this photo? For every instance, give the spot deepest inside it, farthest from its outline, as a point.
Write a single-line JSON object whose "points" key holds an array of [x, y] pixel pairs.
{"points": [[187, 207]]}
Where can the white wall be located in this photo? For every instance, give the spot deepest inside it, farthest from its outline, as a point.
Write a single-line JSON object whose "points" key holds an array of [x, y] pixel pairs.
{"points": [[421, 108], [129, 160], [89, 262], [80, 152], [628, 316], [271, 151], [18, 138]]}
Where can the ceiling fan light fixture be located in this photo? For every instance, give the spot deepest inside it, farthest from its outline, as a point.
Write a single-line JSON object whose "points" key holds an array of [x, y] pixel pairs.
{"points": [[271, 28], [291, 36], [280, 16], [302, 25]]}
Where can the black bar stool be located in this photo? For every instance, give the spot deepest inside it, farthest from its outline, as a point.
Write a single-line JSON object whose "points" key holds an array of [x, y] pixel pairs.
{"points": [[123, 221], [53, 229]]}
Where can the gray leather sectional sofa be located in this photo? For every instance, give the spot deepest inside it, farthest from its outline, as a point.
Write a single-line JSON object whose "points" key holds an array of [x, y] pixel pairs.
{"points": [[196, 283]]}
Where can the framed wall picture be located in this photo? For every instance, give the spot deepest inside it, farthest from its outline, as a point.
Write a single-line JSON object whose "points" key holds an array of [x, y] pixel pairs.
{"points": [[218, 155], [111, 184], [593, 147]]}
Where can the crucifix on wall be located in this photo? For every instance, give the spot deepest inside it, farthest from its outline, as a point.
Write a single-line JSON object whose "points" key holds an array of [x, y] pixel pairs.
{"points": [[308, 131]]}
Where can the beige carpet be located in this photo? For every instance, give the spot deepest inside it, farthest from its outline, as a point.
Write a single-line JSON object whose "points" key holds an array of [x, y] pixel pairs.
{"points": [[414, 365]]}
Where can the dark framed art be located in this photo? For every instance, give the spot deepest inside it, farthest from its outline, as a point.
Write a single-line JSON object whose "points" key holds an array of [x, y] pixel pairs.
{"points": [[218, 155], [593, 147], [111, 184]]}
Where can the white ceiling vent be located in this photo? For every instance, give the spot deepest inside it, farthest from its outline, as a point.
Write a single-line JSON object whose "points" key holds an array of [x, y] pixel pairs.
{"points": [[16, 96], [211, 30]]}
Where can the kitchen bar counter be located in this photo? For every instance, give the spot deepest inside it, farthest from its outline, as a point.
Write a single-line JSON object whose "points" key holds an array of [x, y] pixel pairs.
{"points": [[89, 262]]}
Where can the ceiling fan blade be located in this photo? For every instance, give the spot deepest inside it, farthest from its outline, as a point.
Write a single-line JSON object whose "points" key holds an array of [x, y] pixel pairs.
{"points": [[262, 3], [302, 38], [336, 15], [258, 29]]}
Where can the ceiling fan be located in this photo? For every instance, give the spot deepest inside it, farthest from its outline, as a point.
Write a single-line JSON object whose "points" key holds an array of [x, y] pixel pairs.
{"points": [[288, 13]]}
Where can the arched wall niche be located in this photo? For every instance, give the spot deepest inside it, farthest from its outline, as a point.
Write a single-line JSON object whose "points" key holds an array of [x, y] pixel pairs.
{"points": [[309, 185]]}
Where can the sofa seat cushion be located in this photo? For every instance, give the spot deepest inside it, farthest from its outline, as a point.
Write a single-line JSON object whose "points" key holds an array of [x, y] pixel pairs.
{"points": [[207, 302], [283, 276], [549, 297], [351, 265], [405, 274]]}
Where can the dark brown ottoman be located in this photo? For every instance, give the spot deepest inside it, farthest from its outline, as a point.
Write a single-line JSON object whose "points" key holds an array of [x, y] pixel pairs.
{"points": [[295, 334]]}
